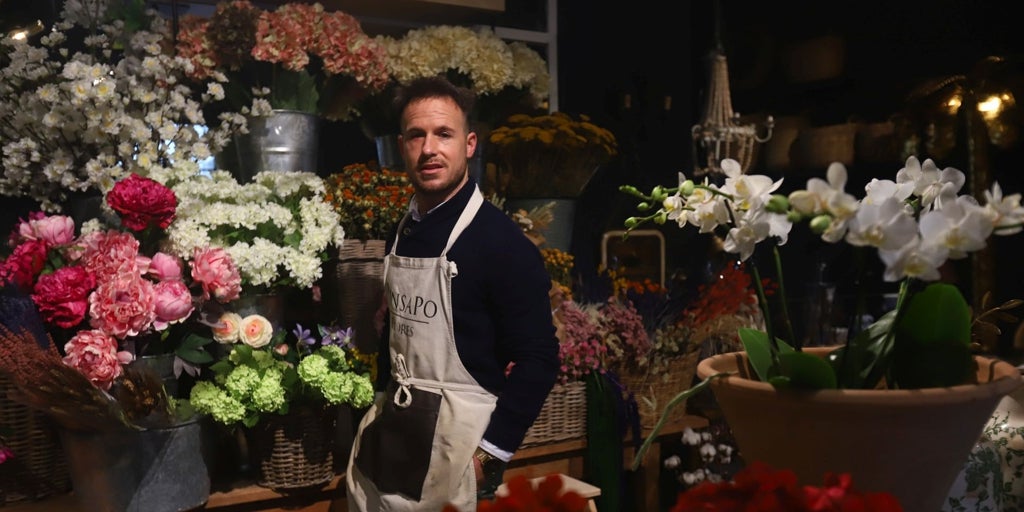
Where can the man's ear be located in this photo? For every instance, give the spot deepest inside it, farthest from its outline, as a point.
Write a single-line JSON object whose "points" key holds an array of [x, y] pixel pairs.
{"points": [[471, 144]]}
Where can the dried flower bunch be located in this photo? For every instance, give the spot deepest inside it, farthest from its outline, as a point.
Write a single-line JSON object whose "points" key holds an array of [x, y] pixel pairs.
{"points": [[278, 228], [297, 57], [113, 292], [550, 155], [267, 372], [94, 101], [581, 347], [369, 201]]}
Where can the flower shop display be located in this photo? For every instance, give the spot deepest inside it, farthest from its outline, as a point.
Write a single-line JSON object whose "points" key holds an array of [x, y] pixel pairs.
{"points": [[298, 57], [96, 99], [549, 156], [277, 229], [764, 488], [507, 77], [283, 393], [912, 369]]}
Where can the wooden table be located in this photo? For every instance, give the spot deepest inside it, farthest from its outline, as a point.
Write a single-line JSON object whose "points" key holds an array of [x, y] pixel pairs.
{"points": [[564, 457]]}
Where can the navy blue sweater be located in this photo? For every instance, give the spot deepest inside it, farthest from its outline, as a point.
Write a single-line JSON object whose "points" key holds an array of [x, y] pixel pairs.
{"points": [[501, 310]]}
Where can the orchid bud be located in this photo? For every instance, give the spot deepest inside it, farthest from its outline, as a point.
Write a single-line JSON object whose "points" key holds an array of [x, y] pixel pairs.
{"points": [[644, 206], [632, 222], [686, 188], [820, 223], [661, 217], [777, 204], [793, 216]]}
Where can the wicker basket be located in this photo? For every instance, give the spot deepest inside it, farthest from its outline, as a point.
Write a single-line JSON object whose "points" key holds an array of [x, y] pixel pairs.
{"points": [[353, 286], [295, 450], [563, 417], [39, 467], [653, 389]]}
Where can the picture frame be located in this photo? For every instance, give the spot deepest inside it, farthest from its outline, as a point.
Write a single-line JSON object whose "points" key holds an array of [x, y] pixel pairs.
{"points": [[638, 256]]}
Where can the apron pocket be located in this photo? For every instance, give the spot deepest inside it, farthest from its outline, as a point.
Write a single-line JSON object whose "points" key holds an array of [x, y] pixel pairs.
{"points": [[394, 450]]}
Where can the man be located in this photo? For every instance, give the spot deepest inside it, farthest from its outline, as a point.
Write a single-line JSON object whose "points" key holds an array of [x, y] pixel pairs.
{"points": [[467, 294]]}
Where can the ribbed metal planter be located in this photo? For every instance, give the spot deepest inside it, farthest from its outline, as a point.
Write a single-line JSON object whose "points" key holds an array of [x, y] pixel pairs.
{"points": [[286, 140]]}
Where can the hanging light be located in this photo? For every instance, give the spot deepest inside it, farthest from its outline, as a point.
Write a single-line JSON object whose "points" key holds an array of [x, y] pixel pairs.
{"points": [[721, 134]]}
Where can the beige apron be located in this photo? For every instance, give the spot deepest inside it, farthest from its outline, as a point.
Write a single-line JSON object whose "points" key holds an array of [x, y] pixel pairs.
{"points": [[414, 449]]}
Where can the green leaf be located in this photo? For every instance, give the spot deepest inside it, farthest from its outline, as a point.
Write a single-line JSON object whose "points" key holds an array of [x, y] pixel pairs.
{"points": [[937, 314], [194, 355], [194, 341], [807, 371], [760, 351]]}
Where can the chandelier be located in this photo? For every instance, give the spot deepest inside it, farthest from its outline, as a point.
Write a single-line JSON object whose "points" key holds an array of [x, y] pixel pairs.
{"points": [[720, 133]]}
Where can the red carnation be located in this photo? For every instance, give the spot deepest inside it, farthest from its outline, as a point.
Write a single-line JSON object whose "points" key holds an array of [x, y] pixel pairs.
{"points": [[63, 296], [142, 202], [24, 264]]}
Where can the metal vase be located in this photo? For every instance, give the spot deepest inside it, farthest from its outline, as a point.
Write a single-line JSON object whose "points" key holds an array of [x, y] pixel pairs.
{"points": [[155, 470], [286, 141]]}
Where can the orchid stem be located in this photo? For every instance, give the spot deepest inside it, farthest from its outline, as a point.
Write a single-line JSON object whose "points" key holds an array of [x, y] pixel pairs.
{"points": [[762, 302], [787, 325]]}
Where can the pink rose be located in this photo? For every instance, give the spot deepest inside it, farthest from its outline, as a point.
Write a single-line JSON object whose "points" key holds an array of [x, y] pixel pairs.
{"points": [[282, 349], [24, 264], [54, 230], [172, 303], [122, 306], [95, 355], [256, 331], [164, 267], [142, 202], [227, 329], [63, 296], [216, 272]]}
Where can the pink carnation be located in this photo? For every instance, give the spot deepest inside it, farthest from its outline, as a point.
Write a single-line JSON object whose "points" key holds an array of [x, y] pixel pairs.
{"points": [[24, 264], [112, 253], [63, 296], [216, 272], [123, 306], [172, 303], [142, 202], [95, 355]]}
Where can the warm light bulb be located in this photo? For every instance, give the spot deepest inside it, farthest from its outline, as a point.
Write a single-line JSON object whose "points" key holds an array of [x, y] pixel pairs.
{"points": [[953, 104]]}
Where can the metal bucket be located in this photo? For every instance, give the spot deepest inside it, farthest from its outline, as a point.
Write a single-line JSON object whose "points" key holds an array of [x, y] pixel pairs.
{"points": [[155, 470], [286, 140]]}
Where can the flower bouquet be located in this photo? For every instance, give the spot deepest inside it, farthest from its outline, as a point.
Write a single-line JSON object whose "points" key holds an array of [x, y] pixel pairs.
{"points": [[505, 76], [97, 99], [908, 368], [550, 155], [369, 201], [296, 57]]}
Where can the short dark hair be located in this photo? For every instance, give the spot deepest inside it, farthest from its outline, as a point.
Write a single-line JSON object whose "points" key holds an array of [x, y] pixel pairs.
{"points": [[434, 87]]}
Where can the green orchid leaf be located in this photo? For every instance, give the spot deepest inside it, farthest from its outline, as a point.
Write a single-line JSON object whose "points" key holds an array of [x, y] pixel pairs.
{"points": [[759, 351], [937, 314], [779, 382], [807, 371]]}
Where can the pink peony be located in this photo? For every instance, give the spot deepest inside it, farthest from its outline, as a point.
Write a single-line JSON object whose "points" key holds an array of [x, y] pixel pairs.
{"points": [[216, 272], [111, 254], [256, 331], [24, 264], [164, 267], [24, 231], [122, 306], [142, 202], [95, 355], [172, 303], [54, 230], [63, 296]]}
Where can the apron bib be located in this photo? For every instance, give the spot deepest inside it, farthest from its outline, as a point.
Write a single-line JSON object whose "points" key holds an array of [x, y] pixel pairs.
{"points": [[414, 448]]}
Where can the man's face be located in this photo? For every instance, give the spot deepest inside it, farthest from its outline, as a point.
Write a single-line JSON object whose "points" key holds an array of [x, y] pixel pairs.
{"points": [[436, 146]]}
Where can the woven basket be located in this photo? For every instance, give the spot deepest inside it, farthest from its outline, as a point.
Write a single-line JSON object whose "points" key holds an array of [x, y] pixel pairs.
{"points": [[563, 417], [353, 286], [295, 450], [39, 467], [653, 389]]}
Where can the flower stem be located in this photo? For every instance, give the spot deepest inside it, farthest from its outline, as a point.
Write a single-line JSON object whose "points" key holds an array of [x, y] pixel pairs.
{"points": [[787, 324], [762, 302]]}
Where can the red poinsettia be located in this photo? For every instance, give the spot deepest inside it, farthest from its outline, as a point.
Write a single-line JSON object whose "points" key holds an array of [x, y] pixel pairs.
{"points": [[523, 496], [761, 488]]}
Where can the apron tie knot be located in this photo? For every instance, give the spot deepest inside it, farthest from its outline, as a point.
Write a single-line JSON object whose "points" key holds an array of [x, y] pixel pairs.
{"points": [[403, 397]]}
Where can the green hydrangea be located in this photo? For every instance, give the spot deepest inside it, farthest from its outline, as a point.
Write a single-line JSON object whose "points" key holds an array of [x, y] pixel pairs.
{"points": [[269, 395], [209, 399]]}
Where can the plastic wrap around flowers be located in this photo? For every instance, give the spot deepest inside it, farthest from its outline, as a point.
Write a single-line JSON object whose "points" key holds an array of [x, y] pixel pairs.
{"points": [[267, 371]]}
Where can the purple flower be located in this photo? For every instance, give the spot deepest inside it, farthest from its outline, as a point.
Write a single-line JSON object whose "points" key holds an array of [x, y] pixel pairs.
{"points": [[304, 336], [337, 336]]}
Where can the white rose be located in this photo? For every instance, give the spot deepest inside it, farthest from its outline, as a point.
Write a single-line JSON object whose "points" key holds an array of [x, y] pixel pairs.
{"points": [[255, 331], [228, 331]]}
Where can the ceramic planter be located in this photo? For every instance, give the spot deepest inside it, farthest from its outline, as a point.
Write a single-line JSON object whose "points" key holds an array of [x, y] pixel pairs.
{"points": [[911, 443]]}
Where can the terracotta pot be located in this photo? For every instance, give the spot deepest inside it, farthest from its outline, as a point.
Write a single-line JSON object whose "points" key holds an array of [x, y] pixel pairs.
{"points": [[911, 443]]}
